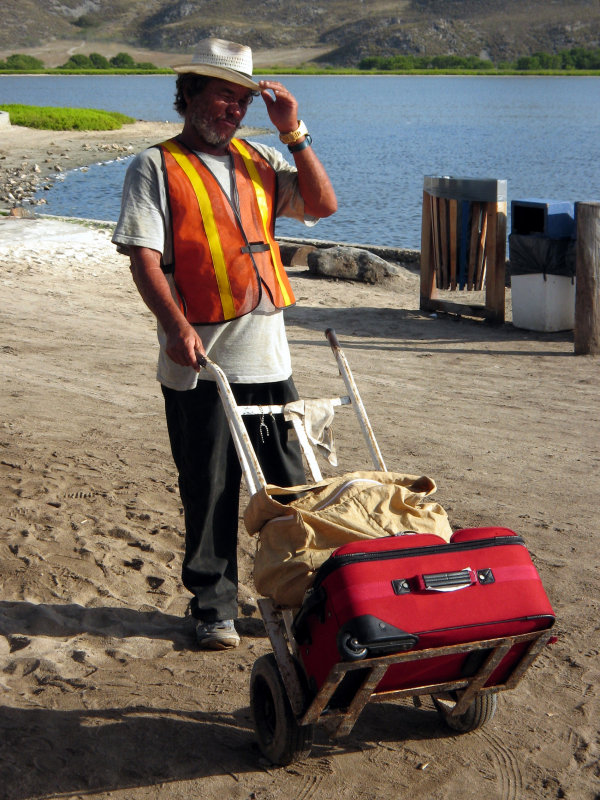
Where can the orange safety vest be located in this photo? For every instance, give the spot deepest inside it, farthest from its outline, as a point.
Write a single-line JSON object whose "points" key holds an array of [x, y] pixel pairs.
{"points": [[221, 262]]}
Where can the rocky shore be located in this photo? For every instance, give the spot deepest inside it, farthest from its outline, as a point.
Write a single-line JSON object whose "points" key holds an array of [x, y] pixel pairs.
{"points": [[19, 184], [32, 159]]}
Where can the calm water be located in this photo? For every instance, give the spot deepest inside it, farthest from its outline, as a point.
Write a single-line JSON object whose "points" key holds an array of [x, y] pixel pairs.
{"points": [[378, 137]]}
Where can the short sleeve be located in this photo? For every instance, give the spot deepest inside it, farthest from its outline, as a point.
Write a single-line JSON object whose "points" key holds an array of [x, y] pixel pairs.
{"points": [[142, 220]]}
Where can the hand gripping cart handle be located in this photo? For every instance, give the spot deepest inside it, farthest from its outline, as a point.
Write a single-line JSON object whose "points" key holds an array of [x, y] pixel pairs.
{"points": [[283, 707]]}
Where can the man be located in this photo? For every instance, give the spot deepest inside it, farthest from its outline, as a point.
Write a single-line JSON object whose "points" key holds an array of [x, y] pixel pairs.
{"points": [[197, 221]]}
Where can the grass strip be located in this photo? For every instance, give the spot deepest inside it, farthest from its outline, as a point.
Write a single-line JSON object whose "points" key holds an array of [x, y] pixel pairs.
{"points": [[65, 119]]}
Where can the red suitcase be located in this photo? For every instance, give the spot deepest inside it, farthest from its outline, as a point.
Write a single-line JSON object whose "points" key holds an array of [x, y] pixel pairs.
{"points": [[413, 592]]}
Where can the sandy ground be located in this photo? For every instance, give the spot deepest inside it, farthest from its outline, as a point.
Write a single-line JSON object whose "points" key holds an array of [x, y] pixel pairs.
{"points": [[105, 694]]}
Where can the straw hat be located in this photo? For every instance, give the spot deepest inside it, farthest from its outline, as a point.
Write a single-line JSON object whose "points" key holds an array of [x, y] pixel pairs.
{"points": [[221, 59]]}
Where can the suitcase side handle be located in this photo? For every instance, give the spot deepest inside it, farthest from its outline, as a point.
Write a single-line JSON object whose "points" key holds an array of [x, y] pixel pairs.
{"points": [[313, 603], [448, 581]]}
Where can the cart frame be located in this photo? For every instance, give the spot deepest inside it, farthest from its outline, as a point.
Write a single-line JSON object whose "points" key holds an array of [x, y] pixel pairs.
{"points": [[340, 723], [452, 699]]}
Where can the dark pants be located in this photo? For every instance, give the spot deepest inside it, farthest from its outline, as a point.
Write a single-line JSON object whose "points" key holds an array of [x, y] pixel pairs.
{"points": [[209, 481]]}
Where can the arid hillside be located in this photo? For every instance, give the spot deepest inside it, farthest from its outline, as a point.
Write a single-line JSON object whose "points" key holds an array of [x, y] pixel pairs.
{"points": [[337, 32]]}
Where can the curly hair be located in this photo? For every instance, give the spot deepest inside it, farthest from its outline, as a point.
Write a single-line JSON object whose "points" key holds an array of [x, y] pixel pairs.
{"points": [[191, 84]]}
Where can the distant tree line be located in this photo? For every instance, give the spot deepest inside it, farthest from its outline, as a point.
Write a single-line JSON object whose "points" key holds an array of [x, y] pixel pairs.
{"points": [[408, 62], [97, 61], [577, 58], [23, 63]]}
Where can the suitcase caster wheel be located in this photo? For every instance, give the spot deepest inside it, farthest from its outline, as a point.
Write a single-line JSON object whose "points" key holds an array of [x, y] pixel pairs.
{"points": [[481, 710], [280, 738], [350, 649]]}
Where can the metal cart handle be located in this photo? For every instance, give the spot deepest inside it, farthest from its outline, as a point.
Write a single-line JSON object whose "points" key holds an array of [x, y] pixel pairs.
{"points": [[253, 474], [359, 408]]}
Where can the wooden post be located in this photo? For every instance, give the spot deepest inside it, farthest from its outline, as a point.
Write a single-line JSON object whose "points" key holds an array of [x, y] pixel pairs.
{"points": [[435, 226], [587, 280], [475, 214], [481, 248], [496, 262], [453, 241], [427, 270], [443, 223]]}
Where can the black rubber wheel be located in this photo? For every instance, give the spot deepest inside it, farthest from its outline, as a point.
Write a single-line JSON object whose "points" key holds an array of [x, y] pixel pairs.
{"points": [[280, 738], [349, 648], [481, 710]]}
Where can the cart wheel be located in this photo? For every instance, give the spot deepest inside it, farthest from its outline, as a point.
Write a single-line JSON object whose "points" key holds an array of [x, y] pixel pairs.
{"points": [[280, 738], [350, 649], [481, 710]]}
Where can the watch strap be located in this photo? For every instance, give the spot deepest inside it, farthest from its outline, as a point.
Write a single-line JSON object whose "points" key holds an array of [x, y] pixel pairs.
{"points": [[306, 142]]}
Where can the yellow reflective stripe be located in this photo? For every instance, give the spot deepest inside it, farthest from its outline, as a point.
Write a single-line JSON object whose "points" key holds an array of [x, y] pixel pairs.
{"points": [[263, 207], [210, 227]]}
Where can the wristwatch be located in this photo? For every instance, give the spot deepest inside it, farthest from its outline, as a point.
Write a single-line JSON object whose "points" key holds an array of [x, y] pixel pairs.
{"points": [[293, 136]]}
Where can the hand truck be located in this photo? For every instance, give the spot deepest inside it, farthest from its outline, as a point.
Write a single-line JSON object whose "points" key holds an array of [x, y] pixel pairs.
{"points": [[284, 709]]}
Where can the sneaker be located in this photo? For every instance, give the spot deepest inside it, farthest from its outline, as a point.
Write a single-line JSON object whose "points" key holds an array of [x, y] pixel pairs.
{"points": [[217, 635]]}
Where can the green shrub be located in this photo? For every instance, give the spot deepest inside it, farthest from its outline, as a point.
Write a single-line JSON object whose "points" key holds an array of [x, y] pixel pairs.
{"points": [[19, 61], [573, 60], [99, 61], [65, 119], [87, 21], [123, 61], [78, 61]]}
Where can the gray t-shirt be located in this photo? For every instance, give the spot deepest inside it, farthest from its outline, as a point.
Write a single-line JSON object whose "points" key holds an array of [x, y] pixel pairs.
{"points": [[250, 349]]}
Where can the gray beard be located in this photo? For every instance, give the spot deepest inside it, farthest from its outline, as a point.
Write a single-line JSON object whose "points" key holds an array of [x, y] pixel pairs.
{"points": [[206, 131]]}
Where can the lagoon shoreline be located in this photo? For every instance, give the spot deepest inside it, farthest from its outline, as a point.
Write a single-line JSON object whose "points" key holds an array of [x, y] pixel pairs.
{"points": [[31, 159]]}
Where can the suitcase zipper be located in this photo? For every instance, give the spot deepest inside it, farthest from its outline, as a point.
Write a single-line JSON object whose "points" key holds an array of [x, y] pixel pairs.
{"points": [[336, 561], [482, 624]]}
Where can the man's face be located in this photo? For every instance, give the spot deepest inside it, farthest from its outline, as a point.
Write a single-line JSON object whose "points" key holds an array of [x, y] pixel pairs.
{"points": [[217, 111]]}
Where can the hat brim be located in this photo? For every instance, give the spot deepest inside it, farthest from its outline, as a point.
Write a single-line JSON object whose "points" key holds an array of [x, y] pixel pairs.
{"points": [[223, 73]]}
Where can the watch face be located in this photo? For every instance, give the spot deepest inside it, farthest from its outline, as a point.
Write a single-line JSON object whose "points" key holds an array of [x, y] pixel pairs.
{"points": [[293, 136]]}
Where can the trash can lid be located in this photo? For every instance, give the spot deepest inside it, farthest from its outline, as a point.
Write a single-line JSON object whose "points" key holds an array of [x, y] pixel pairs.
{"points": [[481, 190]]}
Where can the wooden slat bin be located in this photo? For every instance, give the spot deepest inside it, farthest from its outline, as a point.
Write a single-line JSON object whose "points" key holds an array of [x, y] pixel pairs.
{"points": [[463, 243]]}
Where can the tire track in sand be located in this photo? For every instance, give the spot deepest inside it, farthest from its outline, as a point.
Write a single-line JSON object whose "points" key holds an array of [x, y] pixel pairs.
{"points": [[507, 767]]}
